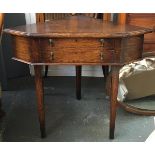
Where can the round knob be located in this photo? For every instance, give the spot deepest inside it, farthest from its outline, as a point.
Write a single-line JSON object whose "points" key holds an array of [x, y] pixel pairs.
{"points": [[101, 55], [52, 55], [51, 42], [102, 41]]}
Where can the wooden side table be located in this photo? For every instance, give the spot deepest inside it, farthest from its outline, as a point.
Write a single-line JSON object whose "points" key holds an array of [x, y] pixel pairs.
{"points": [[78, 40]]}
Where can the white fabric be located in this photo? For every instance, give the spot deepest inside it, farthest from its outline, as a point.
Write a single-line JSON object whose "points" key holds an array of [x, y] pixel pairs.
{"points": [[130, 70]]}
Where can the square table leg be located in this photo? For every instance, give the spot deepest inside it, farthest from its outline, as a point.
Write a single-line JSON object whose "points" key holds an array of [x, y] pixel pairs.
{"points": [[2, 113], [78, 82], [40, 98], [113, 98]]}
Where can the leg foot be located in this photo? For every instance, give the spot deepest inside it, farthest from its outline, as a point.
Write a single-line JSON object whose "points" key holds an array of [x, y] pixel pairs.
{"points": [[111, 136], [43, 132]]}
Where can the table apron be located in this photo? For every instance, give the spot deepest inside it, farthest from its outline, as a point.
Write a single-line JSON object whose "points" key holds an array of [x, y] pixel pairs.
{"points": [[92, 51]]}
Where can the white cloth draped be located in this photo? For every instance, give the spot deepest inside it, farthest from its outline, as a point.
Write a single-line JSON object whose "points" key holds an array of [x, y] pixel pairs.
{"points": [[130, 70]]}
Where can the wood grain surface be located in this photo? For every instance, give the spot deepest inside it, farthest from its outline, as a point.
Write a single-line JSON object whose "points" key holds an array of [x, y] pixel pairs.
{"points": [[78, 26]]}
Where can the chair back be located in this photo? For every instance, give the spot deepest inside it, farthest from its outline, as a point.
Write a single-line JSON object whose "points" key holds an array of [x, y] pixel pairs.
{"points": [[55, 16], [43, 17], [1, 24]]}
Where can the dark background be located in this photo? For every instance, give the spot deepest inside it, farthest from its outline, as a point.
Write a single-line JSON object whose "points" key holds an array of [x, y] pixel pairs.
{"points": [[9, 68]]}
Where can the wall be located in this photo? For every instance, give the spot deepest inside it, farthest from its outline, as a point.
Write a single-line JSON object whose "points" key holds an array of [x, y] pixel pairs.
{"points": [[8, 67]]}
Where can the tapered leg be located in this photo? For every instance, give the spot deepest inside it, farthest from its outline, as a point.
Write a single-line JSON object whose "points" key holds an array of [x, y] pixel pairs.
{"points": [[2, 113], [105, 70], [113, 99], [46, 71], [78, 82], [40, 100]]}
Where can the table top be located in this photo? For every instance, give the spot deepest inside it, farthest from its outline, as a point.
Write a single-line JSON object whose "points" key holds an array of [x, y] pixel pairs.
{"points": [[77, 26]]}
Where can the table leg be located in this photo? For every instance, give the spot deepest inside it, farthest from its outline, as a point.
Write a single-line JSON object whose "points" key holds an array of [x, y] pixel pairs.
{"points": [[113, 98], [40, 100], [105, 70], [2, 113], [46, 70], [78, 82]]}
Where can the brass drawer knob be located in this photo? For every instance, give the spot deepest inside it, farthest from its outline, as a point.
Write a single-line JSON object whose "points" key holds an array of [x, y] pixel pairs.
{"points": [[102, 42], [51, 42], [52, 55], [101, 56]]}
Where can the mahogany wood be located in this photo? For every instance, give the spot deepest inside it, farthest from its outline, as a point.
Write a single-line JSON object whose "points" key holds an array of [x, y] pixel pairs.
{"points": [[2, 113], [78, 82], [77, 27], [43, 17], [40, 103], [65, 51], [113, 98], [1, 22], [78, 40], [107, 17], [141, 19]]}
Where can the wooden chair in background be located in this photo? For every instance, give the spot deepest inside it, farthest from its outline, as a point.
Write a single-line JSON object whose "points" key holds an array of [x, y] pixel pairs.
{"points": [[44, 17], [1, 27]]}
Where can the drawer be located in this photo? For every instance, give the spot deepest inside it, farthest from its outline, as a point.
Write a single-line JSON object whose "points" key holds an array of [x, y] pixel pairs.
{"points": [[78, 55], [76, 51], [69, 43]]}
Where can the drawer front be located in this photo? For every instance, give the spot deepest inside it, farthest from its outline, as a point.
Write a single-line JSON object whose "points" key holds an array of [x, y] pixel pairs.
{"points": [[21, 48], [76, 51]]}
